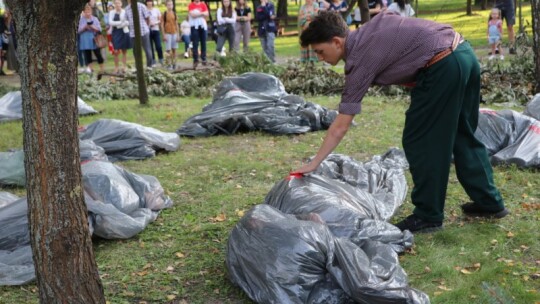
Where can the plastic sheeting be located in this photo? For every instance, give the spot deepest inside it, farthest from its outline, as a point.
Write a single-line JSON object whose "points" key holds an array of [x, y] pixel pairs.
{"points": [[12, 168], [256, 102], [329, 242], [533, 107], [11, 107], [12, 171], [127, 141], [120, 204], [277, 258], [510, 137]]}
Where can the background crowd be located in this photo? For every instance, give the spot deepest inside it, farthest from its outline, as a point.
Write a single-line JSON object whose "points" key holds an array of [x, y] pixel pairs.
{"points": [[113, 30]]}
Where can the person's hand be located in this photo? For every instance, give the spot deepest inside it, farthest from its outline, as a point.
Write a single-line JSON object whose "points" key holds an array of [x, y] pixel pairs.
{"points": [[307, 168]]}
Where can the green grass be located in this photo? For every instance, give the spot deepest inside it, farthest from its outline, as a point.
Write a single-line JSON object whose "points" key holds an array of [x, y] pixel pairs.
{"points": [[182, 254]]}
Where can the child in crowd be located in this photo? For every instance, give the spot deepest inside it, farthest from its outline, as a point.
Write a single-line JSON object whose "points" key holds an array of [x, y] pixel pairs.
{"points": [[89, 26], [495, 32], [186, 36], [198, 12], [171, 37]]}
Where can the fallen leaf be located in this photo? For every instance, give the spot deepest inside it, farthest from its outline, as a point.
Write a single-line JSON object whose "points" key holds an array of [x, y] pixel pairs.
{"points": [[494, 242], [169, 269], [238, 186], [147, 266], [142, 273], [219, 218], [179, 255], [240, 213], [437, 293], [427, 269], [442, 287], [465, 271], [171, 297], [509, 234], [477, 265]]}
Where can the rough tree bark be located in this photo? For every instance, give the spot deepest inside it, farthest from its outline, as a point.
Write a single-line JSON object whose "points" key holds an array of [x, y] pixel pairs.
{"points": [[137, 52], [535, 5], [469, 7], [282, 10], [364, 10], [61, 245]]}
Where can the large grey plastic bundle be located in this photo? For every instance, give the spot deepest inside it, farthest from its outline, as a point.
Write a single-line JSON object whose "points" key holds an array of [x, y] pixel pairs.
{"points": [[277, 258], [123, 140], [510, 137], [11, 107], [256, 102], [532, 108], [12, 168], [120, 204]]}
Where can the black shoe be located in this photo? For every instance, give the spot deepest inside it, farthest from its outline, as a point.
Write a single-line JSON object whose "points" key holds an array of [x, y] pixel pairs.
{"points": [[474, 209], [415, 224], [512, 51], [496, 51]]}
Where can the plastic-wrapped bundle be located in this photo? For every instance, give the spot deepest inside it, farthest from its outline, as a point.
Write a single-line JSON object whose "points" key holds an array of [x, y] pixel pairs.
{"points": [[277, 258], [511, 137], [12, 168], [122, 203], [16, 265], [256, 101], [533, 107], [11, 107], [125, 141], [12, 171]]}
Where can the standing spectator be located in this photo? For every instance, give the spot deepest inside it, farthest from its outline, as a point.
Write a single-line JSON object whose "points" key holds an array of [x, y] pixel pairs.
{"points": [[144, 17], [226, 18], [198, 12], [243, 25], [120, 35], [169, 24], [307, 12], [495, 32], [265, 15], [89, 26], [155, 35], [3, 42], [186, 36], [10, 35], [508, 13], [108, 27], [402, 7], [341, 7], [375, 7]]}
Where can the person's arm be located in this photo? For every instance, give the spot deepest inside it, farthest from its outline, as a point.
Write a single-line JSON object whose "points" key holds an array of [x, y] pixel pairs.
{"points": [[82, 25], [335, 134], [344, 7], [376, 10], [219, 13], [232, 20]]}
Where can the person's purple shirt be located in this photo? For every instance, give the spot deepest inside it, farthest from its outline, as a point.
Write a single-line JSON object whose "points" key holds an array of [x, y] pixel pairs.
{"points": [[389, 49]]}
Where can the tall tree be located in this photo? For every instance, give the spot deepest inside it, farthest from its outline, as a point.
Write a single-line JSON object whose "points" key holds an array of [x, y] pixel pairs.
{"points": [[469, 7], [137, 52], [61, 245], [282, 10], [535, 5]]}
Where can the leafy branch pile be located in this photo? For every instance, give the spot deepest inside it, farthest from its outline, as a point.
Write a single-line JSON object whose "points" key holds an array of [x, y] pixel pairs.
{"points": [[510, 81], [297, 78]]}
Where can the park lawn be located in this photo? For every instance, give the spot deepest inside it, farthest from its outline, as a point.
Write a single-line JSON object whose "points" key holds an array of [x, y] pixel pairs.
{"points": [[213, 180]]}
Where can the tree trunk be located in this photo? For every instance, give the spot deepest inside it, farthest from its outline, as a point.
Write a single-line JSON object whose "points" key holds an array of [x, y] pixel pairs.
{"points": [[469, 7], [282, 11], [137, 52], [535, 5], [364, 11], [66, 270]]}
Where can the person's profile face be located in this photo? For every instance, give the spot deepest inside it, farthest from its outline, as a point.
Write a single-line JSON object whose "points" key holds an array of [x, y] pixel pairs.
{"points": [[327, 52]]}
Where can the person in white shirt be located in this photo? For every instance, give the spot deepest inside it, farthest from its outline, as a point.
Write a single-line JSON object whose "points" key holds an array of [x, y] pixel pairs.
{"points": [[226, 19], [186, 36], [155, 35], [402, 7]]}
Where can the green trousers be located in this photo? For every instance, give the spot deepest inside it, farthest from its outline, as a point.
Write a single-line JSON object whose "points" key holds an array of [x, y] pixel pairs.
{"points": [[440, 122]]}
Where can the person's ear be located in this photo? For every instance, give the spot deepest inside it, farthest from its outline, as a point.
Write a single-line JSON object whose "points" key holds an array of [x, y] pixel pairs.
{"points": [[337, 42]]}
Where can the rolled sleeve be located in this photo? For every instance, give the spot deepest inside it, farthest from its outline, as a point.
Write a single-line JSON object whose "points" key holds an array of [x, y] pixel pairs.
{"points": [[357, 82], [350, 108]]}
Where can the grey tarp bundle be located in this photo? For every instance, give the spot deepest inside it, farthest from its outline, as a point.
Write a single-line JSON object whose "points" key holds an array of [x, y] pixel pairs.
{"points": [[335, 245], [277, 258], [12, 162], [11, 107], [12, 168], [533, 107], [125, 140], [510, 137], [256, 101], [120, 204]]}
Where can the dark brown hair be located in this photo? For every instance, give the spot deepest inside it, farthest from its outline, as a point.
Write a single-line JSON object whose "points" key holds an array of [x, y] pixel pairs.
{"points": [[324, 27]]}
